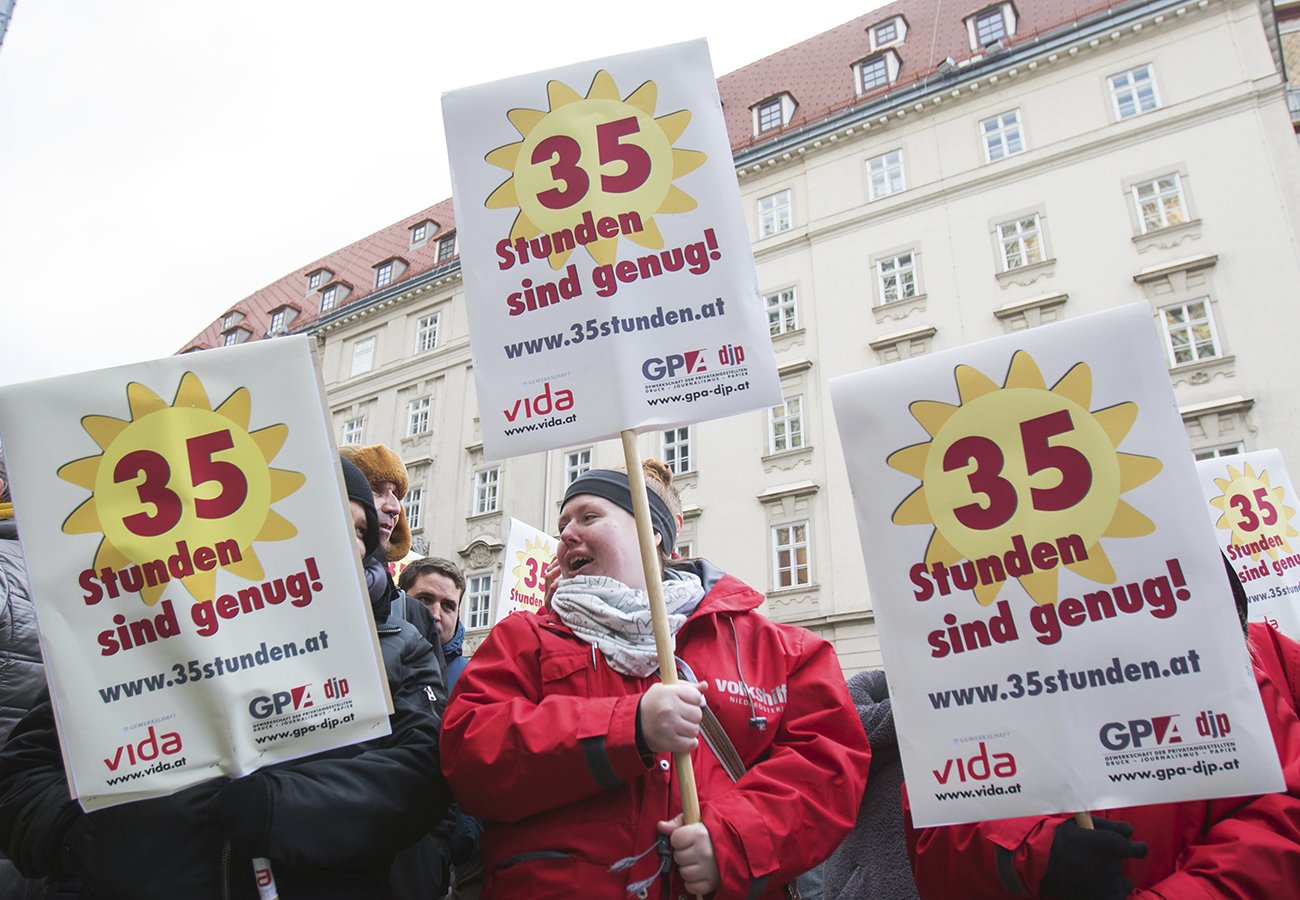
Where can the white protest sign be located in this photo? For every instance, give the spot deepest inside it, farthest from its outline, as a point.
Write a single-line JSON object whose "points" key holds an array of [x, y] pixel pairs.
{"points": [[1054, 615], [608, 272], [1252, 505], [524, 587], [197, 586]]}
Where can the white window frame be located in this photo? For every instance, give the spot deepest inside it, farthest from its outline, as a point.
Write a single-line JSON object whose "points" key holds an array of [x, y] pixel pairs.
{"points": [[315, 279], [878, 37], [1127, 88], [885, 175], [417, 416], [791, 540], [413, 506], [420, 233], [675, 449], [426, 332], [775, 213], [1191, 322], [871, 64], [230, 339], [384, 275], [277, 321], [363, 355], [446, 247], [328, 298], [782, 311], [785, 425], [769, 115], [1003, 136], [1168, 202], [576, 462], [1027, 238], [986, 22], [353, 431], [487, 491], [478, 600], [231, 320], [1219, 451], [897, 277]]}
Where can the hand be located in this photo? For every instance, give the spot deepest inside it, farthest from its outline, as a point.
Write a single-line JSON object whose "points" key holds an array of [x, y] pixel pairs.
{"points": [[693, 853], [550, 579], [1089, 864], [670, 717]]}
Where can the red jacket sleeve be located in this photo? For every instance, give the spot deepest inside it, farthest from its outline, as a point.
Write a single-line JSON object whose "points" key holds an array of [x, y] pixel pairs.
{"points": [[510, 752], [791, 810]]}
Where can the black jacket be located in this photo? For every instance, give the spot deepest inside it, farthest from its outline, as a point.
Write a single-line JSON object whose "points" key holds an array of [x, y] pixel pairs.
{"points": [[329, 823]]}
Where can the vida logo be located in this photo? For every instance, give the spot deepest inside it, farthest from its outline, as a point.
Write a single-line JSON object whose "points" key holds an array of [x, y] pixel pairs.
{"points": [[149, 749], [980, 767], [543, 404]]}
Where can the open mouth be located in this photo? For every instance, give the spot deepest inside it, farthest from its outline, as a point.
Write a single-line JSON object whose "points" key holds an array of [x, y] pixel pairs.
{"points": [[577, 563]]}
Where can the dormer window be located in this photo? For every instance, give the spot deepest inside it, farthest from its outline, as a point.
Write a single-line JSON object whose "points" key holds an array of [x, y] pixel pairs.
{"points": [[279, 322], [333, 295], [891, 31], [876, 71], [231, 320], [991, 25], [384, 275], [423, 230], [447, 247], [230, 339], [772, 113], [317, 278]]}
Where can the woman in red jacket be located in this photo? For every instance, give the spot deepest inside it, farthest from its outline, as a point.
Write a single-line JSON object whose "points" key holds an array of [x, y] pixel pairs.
{"points": [[561, 736]]}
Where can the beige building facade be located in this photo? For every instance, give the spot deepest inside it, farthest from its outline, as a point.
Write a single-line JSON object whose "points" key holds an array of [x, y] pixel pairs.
{"points": [[914, 181]]}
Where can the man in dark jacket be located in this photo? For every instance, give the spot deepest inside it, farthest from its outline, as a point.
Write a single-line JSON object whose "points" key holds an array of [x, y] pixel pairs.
{"points": [[330, 824]]}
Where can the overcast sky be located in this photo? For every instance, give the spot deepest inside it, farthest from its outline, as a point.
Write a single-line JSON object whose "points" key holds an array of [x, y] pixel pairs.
{"points": [[161, 160]]}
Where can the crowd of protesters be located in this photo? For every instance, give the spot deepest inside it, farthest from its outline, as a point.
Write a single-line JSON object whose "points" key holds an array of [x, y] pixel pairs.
{"points": [[546, 763]]}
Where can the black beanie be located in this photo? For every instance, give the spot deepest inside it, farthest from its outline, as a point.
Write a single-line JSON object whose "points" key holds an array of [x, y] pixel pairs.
{"points": [[615, 487], [358, 488]]}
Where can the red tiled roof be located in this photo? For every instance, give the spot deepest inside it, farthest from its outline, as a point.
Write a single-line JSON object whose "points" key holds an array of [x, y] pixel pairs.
{"points": [[817, 73]]}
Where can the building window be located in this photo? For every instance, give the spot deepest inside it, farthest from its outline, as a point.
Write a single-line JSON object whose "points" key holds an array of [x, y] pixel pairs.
{"points": [[575, 463], [885, 174], [328, 298], [896, 276], [770, 115], [872, 73], [1160, 202], [782, 315], [447, 248], [478, 591], [230, 320], [352, 430], [774, 214], [417, 416], [886, 33], [487, 494], [384, 275], [363, 355], [676, 447], [990, 26], [785, 425], [1189, 332], [1021, 242], [1221, 451], [1002, 136], [426, 333], [315, 279], [276, 324], [685, 549], [790, 567], [230, 339], [1134, 92], [419, 232], [412, 505]]}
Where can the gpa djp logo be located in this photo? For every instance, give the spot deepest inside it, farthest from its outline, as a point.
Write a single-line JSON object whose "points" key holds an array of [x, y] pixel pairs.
{"points": [[280, 702], [1138, 734], [689, 362]]}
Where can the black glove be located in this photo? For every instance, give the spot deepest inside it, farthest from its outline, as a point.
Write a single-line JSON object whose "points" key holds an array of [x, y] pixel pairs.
{"points": [[1089, 864]]}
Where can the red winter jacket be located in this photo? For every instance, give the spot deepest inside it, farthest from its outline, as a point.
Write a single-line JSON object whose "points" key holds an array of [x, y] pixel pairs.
{"points": [[1238, 847], [540, 741]]}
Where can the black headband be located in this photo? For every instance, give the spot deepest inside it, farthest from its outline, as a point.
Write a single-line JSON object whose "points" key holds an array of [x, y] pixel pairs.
{"points": [[614, 487]]}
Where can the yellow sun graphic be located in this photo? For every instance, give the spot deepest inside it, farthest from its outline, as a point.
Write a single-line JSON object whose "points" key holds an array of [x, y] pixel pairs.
{"points": [[593, 158], [181, 472], [1026, 461], [1254, 511], [530, 572]]}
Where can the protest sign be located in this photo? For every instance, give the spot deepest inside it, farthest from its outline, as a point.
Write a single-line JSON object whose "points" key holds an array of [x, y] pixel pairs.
{"points": [[1053, 613], [1252, 505], [608, 273], [525, 589], [197, 586]]}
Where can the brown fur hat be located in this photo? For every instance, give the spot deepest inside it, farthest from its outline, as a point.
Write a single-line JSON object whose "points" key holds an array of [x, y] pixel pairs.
{"points": [[381, 464]]}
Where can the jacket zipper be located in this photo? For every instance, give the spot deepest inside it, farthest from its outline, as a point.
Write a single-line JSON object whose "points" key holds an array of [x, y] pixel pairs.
{"points": [[225, 870]]}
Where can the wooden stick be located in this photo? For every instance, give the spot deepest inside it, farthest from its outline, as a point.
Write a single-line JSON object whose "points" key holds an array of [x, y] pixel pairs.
{"points": [[1084, 819], [653, 568]]}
